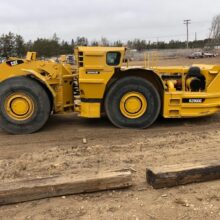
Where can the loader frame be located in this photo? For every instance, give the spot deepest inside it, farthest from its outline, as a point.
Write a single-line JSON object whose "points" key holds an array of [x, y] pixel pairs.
{"points": [[85, 87]]}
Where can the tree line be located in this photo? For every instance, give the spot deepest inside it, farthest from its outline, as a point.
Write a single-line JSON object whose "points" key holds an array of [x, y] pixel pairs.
{"points": [[14, 45]]}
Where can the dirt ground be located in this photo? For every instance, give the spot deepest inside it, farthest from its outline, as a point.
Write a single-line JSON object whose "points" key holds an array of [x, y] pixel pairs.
{"points": [[58, 149]]}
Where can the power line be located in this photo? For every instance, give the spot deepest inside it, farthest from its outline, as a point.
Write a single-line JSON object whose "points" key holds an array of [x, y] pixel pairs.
{"points": [[187, 22]]}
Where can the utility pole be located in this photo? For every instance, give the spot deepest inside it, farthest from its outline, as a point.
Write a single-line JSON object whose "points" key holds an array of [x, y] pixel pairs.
{"points": [[187, 22]]}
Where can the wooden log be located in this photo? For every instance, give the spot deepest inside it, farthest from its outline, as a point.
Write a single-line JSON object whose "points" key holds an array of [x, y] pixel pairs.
{"points": [[174, 175], [34, 189]]}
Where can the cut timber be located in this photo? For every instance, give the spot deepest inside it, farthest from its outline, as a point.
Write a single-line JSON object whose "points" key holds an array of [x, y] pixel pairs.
{"points": [[33, 189], [168, 176]]}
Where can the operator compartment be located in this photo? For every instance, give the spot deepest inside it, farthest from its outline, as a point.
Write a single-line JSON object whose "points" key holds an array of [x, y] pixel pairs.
{"points": [[96, 66]]}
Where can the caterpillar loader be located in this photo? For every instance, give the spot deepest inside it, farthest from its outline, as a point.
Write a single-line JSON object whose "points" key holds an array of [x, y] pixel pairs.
{"points": [[132, 97]]}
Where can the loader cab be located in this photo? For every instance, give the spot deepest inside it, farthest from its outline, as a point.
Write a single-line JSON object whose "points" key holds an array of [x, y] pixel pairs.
{"points": [[99, 57], [96, 66]]}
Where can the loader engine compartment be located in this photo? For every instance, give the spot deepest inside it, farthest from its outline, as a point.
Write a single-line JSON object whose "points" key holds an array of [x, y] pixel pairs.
{"points": [[193, 80]]}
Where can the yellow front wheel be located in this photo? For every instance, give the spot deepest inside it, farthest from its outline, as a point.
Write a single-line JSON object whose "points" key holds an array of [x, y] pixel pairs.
{"points": [[24, 105]]}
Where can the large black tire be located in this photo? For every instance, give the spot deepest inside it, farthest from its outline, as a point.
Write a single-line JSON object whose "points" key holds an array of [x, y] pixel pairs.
{"points": [[125, 86], [33, 92]]}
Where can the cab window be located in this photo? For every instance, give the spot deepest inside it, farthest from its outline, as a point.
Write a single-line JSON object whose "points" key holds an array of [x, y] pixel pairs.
{"points": [[113, 58]]}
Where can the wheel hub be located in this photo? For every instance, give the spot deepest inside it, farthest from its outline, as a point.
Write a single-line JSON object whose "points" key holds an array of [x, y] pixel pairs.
{"points": [[19, 106], [133, 105]]}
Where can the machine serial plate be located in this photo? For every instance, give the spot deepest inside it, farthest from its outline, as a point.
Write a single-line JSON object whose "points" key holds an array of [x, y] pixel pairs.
{"points": [[193, 100]]}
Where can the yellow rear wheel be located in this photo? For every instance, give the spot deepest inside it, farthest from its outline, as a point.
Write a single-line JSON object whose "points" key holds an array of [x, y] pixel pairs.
{"points": [[133, 105], [132, 102]]}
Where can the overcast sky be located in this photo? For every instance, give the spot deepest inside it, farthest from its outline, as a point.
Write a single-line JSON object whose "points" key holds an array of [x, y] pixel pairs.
{"points": [[114, 19]]}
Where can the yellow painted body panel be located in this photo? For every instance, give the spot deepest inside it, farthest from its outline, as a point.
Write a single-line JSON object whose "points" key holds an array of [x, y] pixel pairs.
{"points": [[173, 104], [90, 110], [56, 77], [175, 108], [94, 75]]}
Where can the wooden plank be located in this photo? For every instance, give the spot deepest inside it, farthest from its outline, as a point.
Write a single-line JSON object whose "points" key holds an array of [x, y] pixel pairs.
{"points": [[174, 175], [33, 189]]}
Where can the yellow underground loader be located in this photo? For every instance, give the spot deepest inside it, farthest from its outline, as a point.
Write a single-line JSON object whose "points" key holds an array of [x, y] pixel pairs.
{"points": [[132, 97]]}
